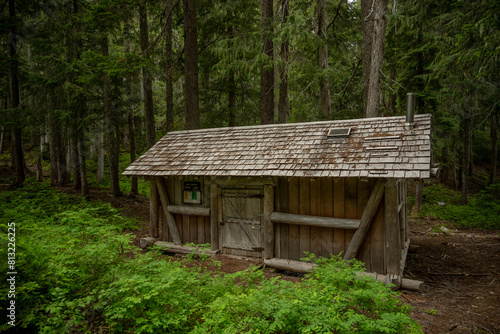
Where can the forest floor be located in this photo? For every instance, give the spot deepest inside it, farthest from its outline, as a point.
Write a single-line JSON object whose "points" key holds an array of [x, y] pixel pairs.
{"points": [[460, 268]]}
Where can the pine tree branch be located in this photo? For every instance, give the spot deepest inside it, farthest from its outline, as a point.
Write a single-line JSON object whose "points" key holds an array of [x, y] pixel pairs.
{"points": [[162, 30]]}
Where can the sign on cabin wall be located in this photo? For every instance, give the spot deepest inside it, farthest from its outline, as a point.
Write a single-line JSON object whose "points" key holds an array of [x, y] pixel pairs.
{"points": [[191, 193]]}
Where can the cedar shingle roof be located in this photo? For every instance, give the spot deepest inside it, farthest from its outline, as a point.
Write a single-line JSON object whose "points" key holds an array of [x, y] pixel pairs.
{"points": [[376, 147]]}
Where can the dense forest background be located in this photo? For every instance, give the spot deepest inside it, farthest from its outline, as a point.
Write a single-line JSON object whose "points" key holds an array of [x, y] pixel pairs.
{"points": [[87, 86]]}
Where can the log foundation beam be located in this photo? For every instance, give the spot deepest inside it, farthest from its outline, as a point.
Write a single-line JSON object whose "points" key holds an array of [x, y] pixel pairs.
{"points": [[306, 267]]}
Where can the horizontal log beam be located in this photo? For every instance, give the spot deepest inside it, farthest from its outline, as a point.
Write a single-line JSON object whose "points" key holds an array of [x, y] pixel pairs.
{"points": [[306, 267], [177, 249], [189, 210], [289, 218]]}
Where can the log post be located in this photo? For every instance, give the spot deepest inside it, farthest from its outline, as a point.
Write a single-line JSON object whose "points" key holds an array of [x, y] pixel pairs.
{"points": [[162, 189], [366, 219], [392, 230], [268, 224], [153, 209], [214, 221]]}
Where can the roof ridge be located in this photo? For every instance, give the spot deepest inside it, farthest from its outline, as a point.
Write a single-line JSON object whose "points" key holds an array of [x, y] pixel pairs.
{"points": [[260, 126]]}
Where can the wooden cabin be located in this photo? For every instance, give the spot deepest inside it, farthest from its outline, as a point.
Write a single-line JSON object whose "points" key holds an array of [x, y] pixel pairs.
{"points": [[277, 191]]}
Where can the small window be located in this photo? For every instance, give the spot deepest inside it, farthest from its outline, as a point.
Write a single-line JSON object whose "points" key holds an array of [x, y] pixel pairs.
{"points": [[339, 133]]}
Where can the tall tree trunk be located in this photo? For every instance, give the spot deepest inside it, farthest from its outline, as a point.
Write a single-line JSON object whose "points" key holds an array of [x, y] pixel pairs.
{"points": [[130, 115], [146, 77], [100, 153], [191, 57], [323, 60], [17, 145], [68, 154], [54, 143], [267, 69], [169, 67], [75, 157], [231, 84], [367, 28], [466, 156], [376, 11], [39, 169], [232, 98], [82, 156], [2, 136], [283, 103], [494, 149], [63, 176], [393, 95], [445, 169], [111, 134]]}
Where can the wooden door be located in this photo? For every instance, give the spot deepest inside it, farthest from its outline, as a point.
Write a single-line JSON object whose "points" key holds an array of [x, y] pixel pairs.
{"points": [[241, 229]]}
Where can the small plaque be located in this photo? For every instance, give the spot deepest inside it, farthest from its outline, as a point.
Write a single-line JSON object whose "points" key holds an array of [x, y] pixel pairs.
{"points": [[192, 193]]}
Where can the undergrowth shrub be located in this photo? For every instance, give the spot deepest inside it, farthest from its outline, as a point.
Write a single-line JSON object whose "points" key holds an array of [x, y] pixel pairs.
{"points": [[482, 211], [332, 299], [78, 273]]}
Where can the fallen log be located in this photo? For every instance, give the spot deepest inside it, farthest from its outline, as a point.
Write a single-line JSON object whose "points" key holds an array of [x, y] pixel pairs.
{"points": [[178, 249], [306, 267], [145, 242]]}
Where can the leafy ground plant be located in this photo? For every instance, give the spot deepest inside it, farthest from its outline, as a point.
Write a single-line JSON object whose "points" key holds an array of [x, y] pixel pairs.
{"points": [[482, 211]]}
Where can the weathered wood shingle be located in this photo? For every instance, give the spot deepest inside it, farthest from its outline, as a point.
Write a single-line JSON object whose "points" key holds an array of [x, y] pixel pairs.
{"points": [[376, 147]]}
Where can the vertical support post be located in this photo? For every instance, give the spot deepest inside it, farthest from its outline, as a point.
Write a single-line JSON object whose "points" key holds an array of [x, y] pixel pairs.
{"points": [[268, 224], [392, 230], [214, 213], [153, 209]]}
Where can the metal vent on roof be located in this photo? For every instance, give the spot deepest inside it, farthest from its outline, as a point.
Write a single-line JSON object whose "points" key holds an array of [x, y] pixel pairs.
{"points": [[339, 133]]}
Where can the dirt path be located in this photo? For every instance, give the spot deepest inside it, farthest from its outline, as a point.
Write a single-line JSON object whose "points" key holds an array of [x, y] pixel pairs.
{"points": [[462, 276]]}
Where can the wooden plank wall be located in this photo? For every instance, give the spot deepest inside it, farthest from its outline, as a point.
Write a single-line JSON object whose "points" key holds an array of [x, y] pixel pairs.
{"points": [[328, 197], [192, 229]]}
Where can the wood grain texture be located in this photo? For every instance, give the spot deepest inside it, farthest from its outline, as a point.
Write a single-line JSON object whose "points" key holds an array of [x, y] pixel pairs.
{"points": [[304, 209], [366, 219], [377, 241], [351, 204], [326, 211], [153, 209], [338, 212], [393, 241], [315, 221], [364, 253], [293, 230], [267, 222], [214, 220], [189, 210], [315, 210], [162, 190], [283, 228]]}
